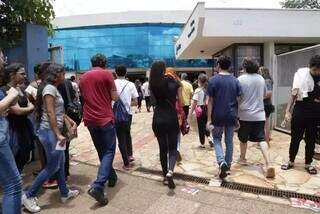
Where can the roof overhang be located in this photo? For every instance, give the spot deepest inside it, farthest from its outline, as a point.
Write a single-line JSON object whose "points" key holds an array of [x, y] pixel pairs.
{"points": [[208, 31]]}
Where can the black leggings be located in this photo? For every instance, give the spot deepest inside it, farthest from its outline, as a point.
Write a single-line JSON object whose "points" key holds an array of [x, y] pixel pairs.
{"points": [[303, 127], [202, 122], [167, 144], [123, 130], [140, 102]]}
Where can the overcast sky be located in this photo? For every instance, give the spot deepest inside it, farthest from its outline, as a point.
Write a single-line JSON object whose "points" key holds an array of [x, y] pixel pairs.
{"points": [[76, 7]]}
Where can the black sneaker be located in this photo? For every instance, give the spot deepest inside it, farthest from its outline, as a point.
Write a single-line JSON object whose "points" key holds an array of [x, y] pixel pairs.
{"points": [[223, 171], [113, 180], [98, 195], [171, 184]]}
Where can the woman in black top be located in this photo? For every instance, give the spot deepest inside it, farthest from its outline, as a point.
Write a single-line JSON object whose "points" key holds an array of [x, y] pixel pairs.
{"points": [[20, 127], [165, 124]]}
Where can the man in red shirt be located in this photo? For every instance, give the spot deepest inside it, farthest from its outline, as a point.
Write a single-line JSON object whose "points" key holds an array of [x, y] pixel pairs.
{"points": [[98, 90]]}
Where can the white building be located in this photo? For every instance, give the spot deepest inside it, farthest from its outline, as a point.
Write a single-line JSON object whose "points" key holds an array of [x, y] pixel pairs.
{"points": [[239, 33]]}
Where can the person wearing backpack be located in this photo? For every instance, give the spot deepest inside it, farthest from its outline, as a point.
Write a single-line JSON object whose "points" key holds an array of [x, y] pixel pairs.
{"points": [[128, 96]]}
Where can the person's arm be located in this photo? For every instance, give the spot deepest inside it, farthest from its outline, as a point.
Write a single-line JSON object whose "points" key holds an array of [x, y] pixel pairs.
{"points": [[193, 106], [134, 95], [209, 121], [73, 124], [17, 110], [7, 101], [49, 101], [291, 102]]}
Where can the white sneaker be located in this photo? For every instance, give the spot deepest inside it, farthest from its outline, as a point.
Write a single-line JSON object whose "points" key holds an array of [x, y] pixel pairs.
{"points": [[31, 204], [71, 194]]}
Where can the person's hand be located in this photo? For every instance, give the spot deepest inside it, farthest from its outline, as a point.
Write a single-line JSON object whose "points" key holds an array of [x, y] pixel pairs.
{"points": [[287, 118], [30, 106], [209, 126], [62, 139]]}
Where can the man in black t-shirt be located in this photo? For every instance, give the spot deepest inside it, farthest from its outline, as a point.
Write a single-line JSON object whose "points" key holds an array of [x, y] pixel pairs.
{"points": [[305, 98]]}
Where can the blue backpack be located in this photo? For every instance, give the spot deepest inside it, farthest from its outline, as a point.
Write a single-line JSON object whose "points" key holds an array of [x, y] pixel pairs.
{"points": [[119, 110]]}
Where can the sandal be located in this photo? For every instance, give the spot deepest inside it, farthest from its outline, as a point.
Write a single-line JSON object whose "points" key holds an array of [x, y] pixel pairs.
{"points": [[287, 166], [311, 170]]}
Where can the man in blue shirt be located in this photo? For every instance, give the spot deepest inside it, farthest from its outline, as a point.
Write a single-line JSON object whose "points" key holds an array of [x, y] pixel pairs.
{"points": [[223, 90]]}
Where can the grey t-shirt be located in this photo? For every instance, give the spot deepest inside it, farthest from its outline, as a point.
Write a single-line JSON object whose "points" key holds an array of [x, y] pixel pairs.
{"points": [[59, 107], [251, 106]]}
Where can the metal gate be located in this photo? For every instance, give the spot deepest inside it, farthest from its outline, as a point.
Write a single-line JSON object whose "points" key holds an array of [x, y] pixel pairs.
{"points": [[286, 65]]}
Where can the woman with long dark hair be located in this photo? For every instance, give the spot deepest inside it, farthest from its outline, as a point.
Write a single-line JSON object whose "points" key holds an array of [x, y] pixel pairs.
{"points": [[199, 105], [50, 115], [165, 120], [20, 127]]}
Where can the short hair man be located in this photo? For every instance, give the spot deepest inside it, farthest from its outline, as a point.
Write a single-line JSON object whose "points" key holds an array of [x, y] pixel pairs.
{"points": [[187, 92], [98, 90], [305, 101], [251, 113], [223, 90], [128, 94]]}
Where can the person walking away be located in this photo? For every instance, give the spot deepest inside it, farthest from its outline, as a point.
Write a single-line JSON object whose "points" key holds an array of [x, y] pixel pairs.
{"points": [[305, 101], [98, 90], [146, 94], [20, 127], [10, 180], [268, 107], [224, 91], [199, 106], [128, 94], [165, 120], [187, 92], [251, 113], [51, 116], [140, 98]]}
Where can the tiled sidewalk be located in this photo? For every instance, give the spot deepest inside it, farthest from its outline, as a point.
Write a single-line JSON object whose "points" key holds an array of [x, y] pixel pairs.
{"points": [[201, 162]]}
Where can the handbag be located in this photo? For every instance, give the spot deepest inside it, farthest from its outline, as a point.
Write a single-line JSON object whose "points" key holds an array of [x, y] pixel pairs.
{"points": [[198, 110], [74, 108], [182, 119], [67, 130]]}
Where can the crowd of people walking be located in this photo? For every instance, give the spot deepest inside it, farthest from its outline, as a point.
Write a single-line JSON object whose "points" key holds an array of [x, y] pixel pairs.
{"points": [[46, 112]]}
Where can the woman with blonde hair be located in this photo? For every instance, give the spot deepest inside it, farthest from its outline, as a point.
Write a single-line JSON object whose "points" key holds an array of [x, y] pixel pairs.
{"points": [[268, 107]]}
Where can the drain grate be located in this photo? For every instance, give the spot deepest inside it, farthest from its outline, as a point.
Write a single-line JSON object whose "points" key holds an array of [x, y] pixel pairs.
{"points": [[236, 186], [268, 191]]}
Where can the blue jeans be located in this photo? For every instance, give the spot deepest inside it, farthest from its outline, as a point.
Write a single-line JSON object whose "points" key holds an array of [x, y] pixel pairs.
{"points": [[55, 164], [104, 139], [217, 136], [10, 180]]}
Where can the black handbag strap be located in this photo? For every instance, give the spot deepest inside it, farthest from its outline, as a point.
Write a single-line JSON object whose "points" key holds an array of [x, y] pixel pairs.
{"points": [[68, 93]]}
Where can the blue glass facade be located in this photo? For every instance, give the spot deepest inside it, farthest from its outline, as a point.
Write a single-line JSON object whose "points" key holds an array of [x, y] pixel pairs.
{"points": [[136, 46]]}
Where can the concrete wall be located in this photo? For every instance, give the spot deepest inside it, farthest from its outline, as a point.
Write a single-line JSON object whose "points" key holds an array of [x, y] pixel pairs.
{"points": [[33, 49], [35, 46], [261, 23]]}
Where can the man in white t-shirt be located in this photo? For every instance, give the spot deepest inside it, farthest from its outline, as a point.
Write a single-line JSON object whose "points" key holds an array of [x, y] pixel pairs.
{"points": [[129, 96], [146, 94]]}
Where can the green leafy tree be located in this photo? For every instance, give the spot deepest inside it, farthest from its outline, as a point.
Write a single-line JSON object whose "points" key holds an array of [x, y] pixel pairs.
{"points": [[15, 13], [301, 4]]}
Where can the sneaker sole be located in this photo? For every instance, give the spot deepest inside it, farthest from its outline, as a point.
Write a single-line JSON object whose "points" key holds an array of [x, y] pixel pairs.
{"points": [[171, 184], [103, 201]]}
